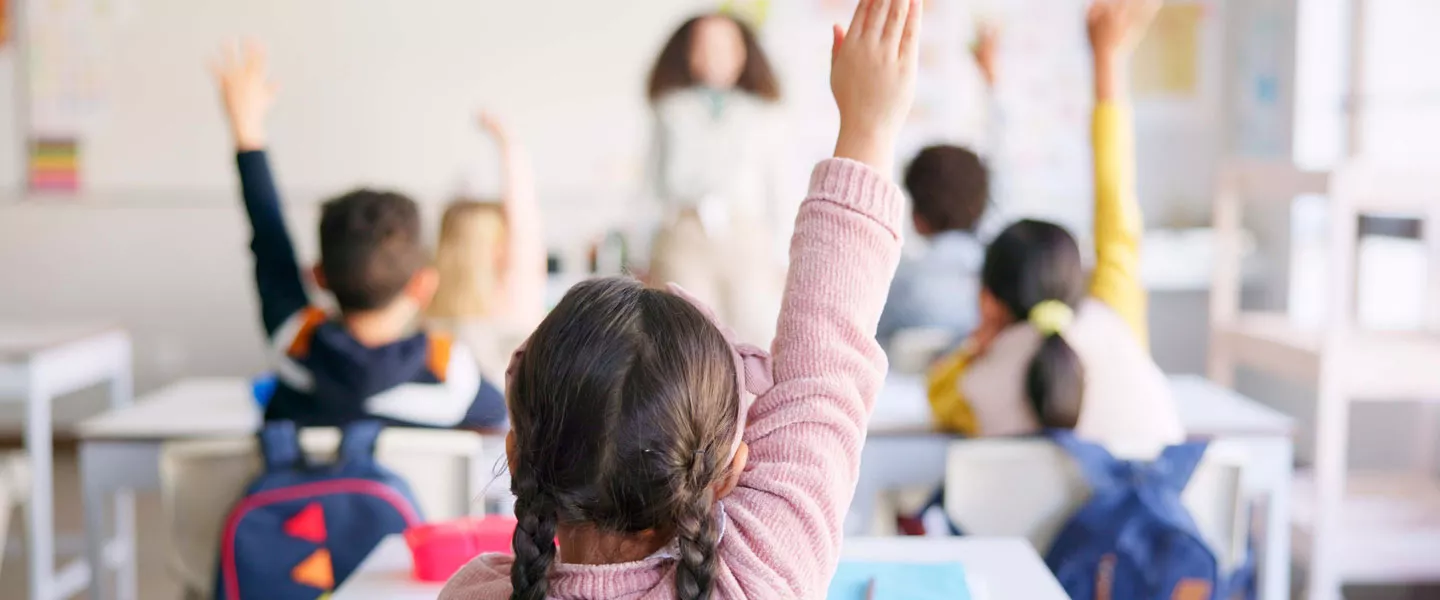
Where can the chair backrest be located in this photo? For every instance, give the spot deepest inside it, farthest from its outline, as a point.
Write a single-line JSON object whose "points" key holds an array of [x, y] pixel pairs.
{"points": [[1030, 487], [202, 479]]}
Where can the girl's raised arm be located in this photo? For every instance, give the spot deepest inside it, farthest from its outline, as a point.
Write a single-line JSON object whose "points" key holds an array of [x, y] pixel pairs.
{"points": [[805, 434]]}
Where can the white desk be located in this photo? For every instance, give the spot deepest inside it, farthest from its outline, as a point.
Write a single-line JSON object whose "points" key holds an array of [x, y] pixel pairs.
{"points": [[905, 450], [120, 454], [38, 363], [1000, 569]]}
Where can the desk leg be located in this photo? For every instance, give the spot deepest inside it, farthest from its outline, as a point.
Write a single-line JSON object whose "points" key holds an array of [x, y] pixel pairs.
{"points": [[1274, 565], [95, 498], [41, 518], [126, 573], [127, 576]]}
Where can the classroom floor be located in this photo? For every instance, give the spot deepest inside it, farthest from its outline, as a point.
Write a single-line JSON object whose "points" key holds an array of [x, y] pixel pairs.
{"points": [[155, 583]]}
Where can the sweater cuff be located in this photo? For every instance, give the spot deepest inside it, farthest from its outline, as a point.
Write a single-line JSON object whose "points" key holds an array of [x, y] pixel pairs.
{"points": [[247, 158], [856, 186]]}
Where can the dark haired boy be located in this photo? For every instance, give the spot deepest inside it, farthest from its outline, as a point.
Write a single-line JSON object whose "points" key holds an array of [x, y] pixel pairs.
{"points": [[367, 361]]}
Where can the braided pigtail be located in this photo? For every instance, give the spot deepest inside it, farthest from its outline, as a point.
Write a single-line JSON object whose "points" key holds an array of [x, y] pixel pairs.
{"points": [[696, 533], [534, 541]]}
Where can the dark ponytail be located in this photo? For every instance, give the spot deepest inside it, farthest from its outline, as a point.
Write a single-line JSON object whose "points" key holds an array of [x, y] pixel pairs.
{"points": [[1029, 263], [1055, 383], [534, 541]]}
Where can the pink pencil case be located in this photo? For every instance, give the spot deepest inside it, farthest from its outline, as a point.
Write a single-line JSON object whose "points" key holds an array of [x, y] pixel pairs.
{"points": [[439, 550]]}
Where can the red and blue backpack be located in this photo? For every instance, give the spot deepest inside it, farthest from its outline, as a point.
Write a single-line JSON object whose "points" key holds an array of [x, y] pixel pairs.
{"points": [[301, 529]]}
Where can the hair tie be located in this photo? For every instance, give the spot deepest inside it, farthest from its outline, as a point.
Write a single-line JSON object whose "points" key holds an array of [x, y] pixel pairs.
{"points": [[1051, 317]]}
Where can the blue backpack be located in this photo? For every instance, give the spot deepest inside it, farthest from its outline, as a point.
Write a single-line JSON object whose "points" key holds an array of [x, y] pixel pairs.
{"points": [[1134, 540], [302, 529]]}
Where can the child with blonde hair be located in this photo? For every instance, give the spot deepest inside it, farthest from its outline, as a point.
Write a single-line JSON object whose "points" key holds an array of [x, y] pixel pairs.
{"points": [[671, 461], [491, 263]]}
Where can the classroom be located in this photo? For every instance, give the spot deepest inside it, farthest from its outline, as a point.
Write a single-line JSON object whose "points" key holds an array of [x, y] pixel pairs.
{"points": [[765, 299]]}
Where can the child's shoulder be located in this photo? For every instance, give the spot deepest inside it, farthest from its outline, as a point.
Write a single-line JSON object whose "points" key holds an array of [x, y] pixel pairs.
{"points": [[487, 576]]}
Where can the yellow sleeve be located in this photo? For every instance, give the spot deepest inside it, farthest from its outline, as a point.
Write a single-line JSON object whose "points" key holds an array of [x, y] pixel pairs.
{"points": [[952, 411], [1118, 223]]}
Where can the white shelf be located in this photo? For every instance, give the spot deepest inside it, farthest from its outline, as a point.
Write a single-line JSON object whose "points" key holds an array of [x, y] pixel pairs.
{"points": [[1389, 528], [1372, 365]]}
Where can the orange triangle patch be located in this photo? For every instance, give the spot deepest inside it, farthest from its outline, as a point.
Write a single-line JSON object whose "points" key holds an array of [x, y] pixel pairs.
{"points": [[308, 524], [315, 571]]}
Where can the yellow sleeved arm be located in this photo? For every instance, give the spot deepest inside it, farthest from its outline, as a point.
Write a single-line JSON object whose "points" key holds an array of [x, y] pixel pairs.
{"points": [[1118, 222], [951, 410]]}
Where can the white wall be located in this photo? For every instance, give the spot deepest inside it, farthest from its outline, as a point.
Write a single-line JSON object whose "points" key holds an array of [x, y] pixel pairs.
{"points": [[382, 92]]}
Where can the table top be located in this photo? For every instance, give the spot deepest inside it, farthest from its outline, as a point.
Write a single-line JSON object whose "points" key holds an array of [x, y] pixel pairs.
{"points": [[1206, 409], [222, 406], [1000, 569], [19, 340], [189, 408]]}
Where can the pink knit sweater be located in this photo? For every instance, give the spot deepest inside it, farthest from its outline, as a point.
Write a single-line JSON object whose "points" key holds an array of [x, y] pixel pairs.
{"points": [[783, 523]]}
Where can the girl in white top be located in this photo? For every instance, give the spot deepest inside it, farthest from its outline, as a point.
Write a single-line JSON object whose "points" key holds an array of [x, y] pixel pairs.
{"points": [[491, 261], [715, 173], [1055, 348]]}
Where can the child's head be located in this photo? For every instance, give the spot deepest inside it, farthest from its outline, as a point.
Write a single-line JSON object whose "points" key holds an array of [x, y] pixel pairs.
{"points": [[624, 411], [371, 256], [1030, 267], [949, 189], [716, 51], [470, 260]]}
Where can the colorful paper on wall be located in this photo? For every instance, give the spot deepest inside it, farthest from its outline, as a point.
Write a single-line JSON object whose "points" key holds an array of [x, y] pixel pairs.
{"points": [[754, 12], [1168, 60], [54, 165]]}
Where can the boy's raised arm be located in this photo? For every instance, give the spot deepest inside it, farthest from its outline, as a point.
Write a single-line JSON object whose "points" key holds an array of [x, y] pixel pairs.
{"points": [[248, 95]]}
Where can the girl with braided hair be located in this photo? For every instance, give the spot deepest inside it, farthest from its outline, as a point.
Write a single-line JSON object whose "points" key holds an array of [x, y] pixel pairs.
{"points": [[670, 461]]}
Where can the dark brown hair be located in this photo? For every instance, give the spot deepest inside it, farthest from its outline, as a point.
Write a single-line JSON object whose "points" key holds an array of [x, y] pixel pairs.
{"points": [[1028, 263], [949, 188], [672, 69], [623, 409], [370, 247]]}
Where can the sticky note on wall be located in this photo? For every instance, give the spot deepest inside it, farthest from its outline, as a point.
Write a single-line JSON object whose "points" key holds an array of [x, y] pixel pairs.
{"points": [[54, 165]]}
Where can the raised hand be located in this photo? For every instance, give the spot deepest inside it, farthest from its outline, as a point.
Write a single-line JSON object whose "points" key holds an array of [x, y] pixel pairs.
{"points": [[245, 87], [1116, 26], [873, 78], [986, 52], [493, 125]]}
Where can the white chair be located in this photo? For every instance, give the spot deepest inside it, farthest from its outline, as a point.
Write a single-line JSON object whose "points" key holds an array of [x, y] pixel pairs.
{"points": [[14, 490], [1030, 487], [448, 471], [912, 350]]}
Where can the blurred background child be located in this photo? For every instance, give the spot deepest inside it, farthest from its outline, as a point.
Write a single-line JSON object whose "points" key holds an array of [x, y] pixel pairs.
{"points": [[491, 261]]}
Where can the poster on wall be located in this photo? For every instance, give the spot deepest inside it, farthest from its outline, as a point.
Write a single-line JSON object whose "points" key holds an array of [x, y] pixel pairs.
{"points": [[1167, 63], [67, 40], [1261, 67]]}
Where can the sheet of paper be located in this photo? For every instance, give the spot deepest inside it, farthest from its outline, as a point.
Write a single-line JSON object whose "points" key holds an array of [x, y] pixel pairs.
{"points": [[899, 581]]}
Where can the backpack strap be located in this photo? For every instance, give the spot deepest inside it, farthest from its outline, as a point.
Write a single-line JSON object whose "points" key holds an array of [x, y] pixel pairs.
{"points": [[1177, 464], [280, 445], [437, 357], [1095, 462], [357, 442]]}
